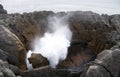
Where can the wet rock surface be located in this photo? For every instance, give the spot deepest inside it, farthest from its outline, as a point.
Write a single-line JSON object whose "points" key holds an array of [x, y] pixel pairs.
{"points": [[77, 57], [46, 71], [93, 35], [37, 60]]}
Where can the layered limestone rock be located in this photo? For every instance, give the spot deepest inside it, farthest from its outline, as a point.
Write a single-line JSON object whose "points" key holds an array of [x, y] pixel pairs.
{"points": [[28, 26], [92, 33], [11, 44], [107, 64], [78, 55], [92, 29]]}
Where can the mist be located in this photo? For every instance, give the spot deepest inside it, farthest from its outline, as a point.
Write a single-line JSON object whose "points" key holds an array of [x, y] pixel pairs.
{"points": [[55, 42]]}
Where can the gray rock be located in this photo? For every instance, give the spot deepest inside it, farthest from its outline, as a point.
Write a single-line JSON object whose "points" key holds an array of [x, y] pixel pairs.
{"points": [[19, 76], [1, 74], [4, 64], [15, 69], [115, 21], [3, 55], [4, 70], [92, 33], [95, 71], [8, 73], [11, 44], [2, 10], [111, 60], [46, 71], [107, 64]]}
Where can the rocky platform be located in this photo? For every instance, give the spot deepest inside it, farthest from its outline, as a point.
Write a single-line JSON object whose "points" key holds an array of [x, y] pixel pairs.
{"points": [[94, 50]]}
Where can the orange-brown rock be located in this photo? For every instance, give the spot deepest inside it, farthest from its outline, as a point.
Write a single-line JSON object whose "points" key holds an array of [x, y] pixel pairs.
{"points": [[93, 29], [37, 60]]}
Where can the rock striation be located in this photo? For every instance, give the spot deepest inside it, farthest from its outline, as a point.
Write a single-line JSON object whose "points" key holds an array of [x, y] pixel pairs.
{"points": [[107, 64], [95, 38], [7, 70], [11, 44]]}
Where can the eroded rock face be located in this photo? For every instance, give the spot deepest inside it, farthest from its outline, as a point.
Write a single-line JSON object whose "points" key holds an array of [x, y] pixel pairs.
{"points": [[107, 64], [92, 29], [78, 55], [28, 26], [92, 33], [11, 44]]}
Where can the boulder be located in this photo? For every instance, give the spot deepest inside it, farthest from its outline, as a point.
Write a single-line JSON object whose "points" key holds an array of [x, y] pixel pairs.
{"points": [[37, 60]]}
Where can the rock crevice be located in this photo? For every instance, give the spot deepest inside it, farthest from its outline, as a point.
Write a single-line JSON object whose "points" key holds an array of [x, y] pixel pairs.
{"points": [[93, 37]]}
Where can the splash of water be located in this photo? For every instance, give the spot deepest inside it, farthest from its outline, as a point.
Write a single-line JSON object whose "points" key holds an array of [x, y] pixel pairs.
{"points": [[55, 42], [29, 66]]}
